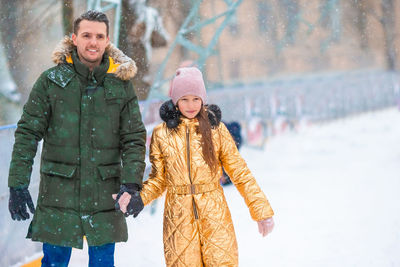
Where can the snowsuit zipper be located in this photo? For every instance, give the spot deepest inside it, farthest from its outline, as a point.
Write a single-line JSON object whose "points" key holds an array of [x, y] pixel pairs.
{"points": [[196, 216]]}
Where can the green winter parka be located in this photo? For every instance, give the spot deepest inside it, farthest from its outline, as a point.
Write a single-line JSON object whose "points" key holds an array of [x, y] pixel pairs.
{"points": [[92, 143]]}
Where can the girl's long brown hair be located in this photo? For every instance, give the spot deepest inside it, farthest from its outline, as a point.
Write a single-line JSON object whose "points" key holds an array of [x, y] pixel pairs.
{"points": [[206, 140]]}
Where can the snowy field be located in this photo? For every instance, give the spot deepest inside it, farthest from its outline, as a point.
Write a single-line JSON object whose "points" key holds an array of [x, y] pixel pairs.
{"points": [[335, 189]]}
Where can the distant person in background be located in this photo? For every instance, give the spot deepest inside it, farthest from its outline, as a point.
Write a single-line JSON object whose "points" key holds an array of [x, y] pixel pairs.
{"points": [[87, 113], [236, 131], [187, 152]]}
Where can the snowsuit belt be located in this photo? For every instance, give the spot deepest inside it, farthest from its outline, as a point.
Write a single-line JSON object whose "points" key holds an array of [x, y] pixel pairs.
{"points": [[193, 189]]}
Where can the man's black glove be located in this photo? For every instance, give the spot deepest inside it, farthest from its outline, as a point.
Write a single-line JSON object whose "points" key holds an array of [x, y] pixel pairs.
{"points": [[135, 205], [19, 199]]}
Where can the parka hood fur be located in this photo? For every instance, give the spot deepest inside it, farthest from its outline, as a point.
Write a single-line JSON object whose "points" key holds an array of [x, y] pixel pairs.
{"points": [[125, 71], [171, 115]]}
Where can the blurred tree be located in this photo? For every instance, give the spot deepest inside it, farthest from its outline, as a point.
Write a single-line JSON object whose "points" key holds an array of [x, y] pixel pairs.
{"points": [[18, 23], [128, 19], [389, 31], [176, 11], [12, 41], [68, 16], [8, 88], [290, 15], [386, 18], [330, 19], [267, 20], [141, 29], [131, 49], [360, 19]]}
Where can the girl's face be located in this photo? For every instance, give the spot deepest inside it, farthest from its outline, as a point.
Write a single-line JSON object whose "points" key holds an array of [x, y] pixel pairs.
{"points": [[189, 106]]}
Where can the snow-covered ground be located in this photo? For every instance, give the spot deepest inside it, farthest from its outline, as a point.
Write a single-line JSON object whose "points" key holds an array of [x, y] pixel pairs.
{"points": [[335, 189]]}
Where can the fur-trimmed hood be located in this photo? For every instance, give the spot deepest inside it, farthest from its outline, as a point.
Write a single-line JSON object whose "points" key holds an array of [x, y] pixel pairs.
{"points": [[172, 116], [123, 66]]}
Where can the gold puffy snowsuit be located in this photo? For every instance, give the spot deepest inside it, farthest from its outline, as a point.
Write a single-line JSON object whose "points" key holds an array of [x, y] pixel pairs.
{"points": [[198, 229]]}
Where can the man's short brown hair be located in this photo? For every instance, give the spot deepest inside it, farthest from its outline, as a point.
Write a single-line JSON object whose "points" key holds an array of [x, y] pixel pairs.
{"points": [[91, 15]]}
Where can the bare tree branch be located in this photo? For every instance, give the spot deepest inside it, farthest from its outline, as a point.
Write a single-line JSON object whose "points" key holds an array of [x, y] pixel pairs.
{"points": [[68, 16]]}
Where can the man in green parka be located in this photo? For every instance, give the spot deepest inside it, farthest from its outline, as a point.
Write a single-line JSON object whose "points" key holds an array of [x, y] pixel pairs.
{"points": [[87, 114]]}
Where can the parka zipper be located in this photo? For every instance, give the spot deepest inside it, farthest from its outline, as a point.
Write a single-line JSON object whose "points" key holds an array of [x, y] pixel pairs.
{"points": [[196, 216]]}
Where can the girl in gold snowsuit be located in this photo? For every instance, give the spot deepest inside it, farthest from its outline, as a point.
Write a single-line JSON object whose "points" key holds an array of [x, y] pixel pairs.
{"points": [[187, 153]]}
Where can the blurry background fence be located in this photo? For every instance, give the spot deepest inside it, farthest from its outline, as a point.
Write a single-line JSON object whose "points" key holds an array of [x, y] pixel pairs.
{"points": [[316, 98]]}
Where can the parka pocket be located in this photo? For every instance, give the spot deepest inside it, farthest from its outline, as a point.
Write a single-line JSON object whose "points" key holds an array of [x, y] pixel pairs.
{"points": [[110, 171], [108, 184], [58, 184]]}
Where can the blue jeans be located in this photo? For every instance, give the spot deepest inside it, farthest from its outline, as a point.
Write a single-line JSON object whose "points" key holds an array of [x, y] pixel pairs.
{"points": [[99, 256]]}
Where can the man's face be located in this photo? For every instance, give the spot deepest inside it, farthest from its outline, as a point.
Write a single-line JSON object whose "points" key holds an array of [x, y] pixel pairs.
{"points": [[91, 42]]}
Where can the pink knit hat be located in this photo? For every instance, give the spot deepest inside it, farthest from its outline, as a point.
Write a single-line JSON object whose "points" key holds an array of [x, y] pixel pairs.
{"points": [[188, 81]]}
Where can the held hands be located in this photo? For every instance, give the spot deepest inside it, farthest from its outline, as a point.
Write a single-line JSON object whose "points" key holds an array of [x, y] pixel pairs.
{"points": [[265, 226], [19, 199], [128, 200]]}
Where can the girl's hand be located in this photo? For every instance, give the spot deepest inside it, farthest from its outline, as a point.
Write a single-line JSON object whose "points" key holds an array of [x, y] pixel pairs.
{"points": [[123, 201], [265, 226]]}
